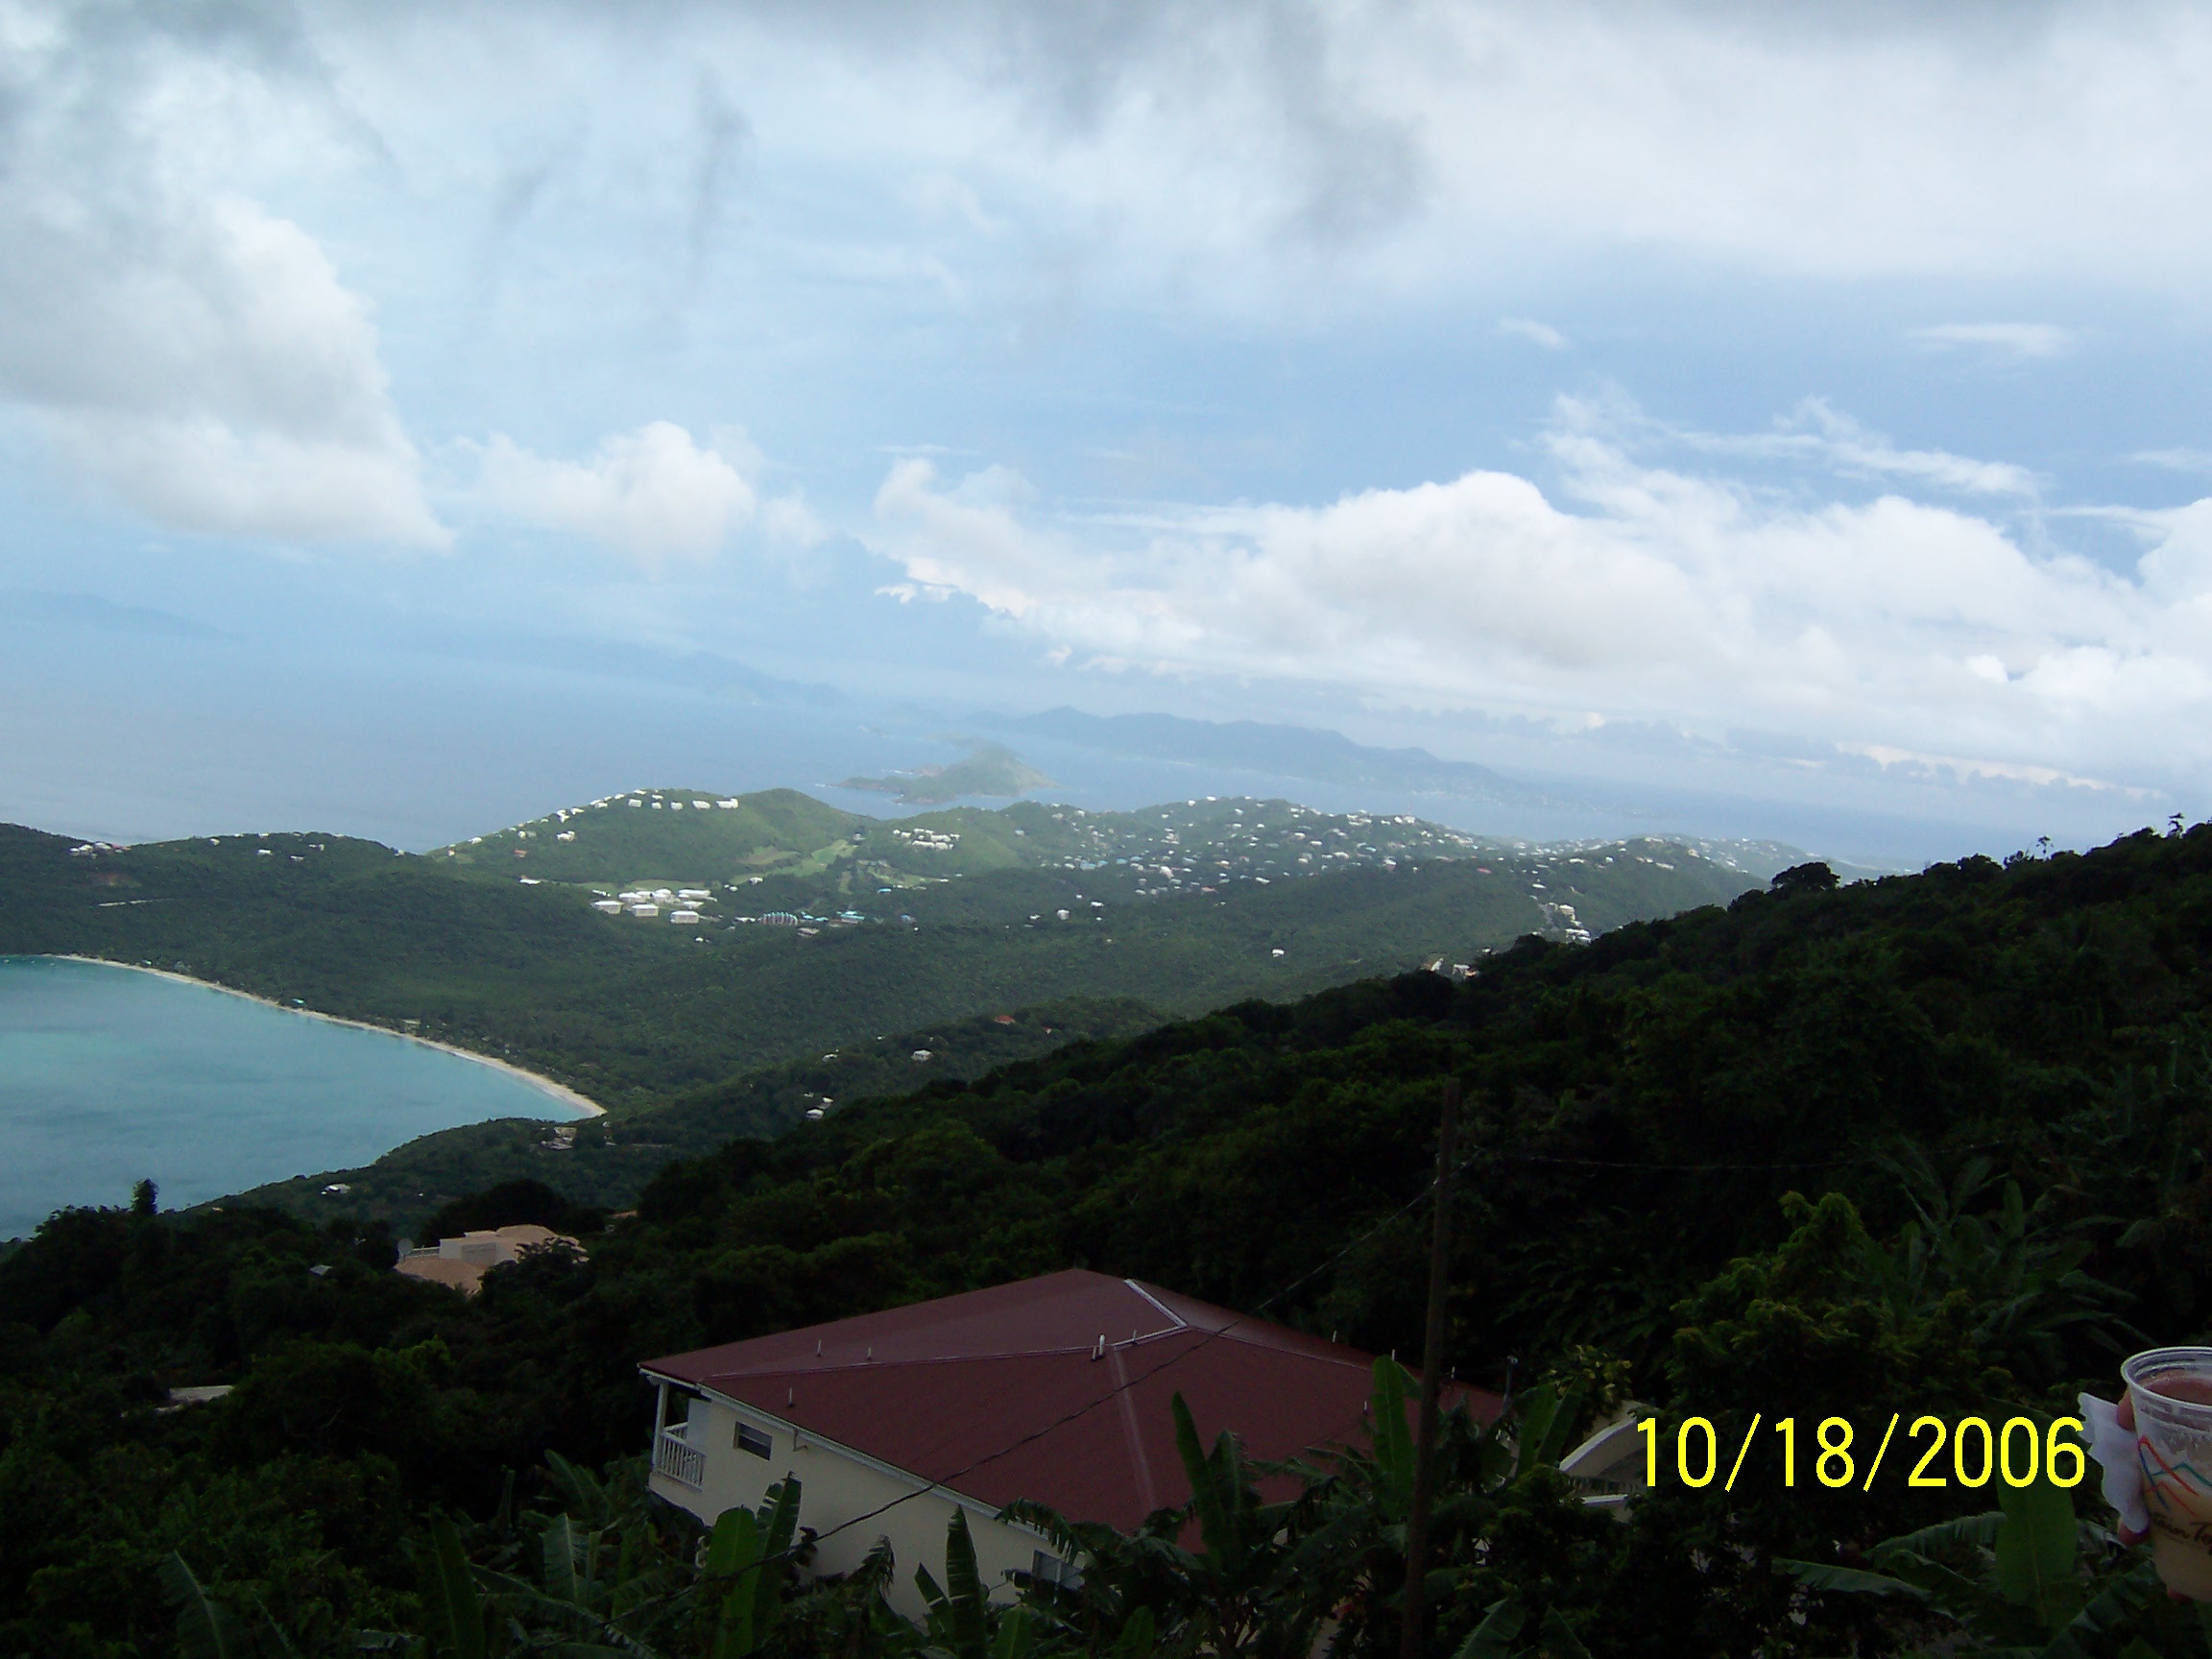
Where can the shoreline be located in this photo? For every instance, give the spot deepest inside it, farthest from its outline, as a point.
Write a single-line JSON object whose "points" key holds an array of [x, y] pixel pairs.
{"points": [[560, 1092]]}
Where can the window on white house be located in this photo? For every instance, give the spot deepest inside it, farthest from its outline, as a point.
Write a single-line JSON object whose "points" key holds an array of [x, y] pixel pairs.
{"points": [[751, 1439], [1051, 1570]]}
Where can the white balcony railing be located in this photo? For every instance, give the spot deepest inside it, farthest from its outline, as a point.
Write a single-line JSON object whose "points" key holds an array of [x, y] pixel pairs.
{"points": [[676, 1459]]}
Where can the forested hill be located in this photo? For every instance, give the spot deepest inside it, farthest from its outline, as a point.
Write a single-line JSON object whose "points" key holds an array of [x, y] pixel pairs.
{"points": [[607, 1162], [1933, 1144], [1637, 1106], [812, 929]]}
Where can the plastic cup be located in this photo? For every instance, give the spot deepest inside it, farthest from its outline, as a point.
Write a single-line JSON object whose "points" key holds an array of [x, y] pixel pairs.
{"points": [[2172, 1388]]}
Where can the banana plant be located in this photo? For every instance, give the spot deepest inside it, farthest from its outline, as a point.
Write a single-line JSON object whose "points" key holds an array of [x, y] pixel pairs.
{"points": [[474, 1612], [459, 1621], [959, 1613], [748, 1552], [1246, 1550], [2023, 1273], [848, 1616], [207, 1628], [1135, 1588], [1349, 1562], [1498, 1635], [2021, 1579]]}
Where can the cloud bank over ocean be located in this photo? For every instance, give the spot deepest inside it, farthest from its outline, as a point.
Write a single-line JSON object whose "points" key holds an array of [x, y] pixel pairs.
{"points": [[1692, 369]]}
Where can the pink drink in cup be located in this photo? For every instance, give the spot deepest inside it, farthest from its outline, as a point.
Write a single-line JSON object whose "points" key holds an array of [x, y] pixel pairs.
{"points": [[2172, 1391]]}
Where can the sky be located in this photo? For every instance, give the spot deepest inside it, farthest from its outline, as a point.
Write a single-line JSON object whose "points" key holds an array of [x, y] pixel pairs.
{"points": [[1738, 418]]}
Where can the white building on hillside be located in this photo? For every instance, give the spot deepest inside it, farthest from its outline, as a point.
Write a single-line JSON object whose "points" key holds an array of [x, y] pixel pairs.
{"points": [[1056, 1389]]}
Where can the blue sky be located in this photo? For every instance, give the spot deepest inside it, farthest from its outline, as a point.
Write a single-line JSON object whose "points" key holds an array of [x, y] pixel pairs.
{"points": [[1807, 411]]}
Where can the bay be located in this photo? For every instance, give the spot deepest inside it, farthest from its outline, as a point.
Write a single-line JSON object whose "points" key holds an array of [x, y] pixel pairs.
{"points": [[108, 1075]]}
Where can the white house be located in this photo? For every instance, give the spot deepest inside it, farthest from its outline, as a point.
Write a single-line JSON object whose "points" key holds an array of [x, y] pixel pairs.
{"points": [[1055, 1389], [461, 1262], [1609, 1466]]}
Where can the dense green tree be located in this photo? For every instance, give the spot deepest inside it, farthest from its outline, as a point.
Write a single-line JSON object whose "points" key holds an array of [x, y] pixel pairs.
{"points": [[1927, 1145]]}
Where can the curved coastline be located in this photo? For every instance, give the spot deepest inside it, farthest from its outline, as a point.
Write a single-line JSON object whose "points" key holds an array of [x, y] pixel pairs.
{"points": [[560, 1092]]}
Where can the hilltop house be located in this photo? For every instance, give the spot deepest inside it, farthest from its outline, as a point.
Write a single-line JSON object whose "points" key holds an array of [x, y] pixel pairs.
{"points": [[1055, 1389], [461, 1262]]}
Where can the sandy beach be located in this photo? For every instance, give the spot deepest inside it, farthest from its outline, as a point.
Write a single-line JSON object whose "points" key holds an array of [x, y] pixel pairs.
{"points": [[560, 1092]]}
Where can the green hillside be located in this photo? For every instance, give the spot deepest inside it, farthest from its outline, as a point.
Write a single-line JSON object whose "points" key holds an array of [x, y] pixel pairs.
{"points": [[696, 837], [682, 836], [1934, 1145], [884, 927], [607, 1162]]}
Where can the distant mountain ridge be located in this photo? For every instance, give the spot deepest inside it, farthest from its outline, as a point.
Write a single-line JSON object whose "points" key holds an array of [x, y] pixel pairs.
{"points": [[1280, 751]]}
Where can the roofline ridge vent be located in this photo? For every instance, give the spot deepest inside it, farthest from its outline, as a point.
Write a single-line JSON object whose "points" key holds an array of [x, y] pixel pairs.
{"points": [[1176, 1319]]}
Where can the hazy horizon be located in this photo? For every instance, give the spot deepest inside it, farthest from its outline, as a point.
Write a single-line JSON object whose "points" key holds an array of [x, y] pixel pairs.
{"points": [[1713, 420]]}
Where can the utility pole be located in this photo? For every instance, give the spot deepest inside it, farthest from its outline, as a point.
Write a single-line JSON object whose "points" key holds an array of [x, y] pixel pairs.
{"points": [[1415, 1629]]}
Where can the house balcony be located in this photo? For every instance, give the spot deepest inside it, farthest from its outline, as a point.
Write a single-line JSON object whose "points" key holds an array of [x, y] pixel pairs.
{"points": [[676, 1457]]}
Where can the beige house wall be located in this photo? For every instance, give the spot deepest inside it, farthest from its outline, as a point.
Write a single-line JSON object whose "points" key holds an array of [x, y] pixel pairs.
{"points": [[836, 1484]]}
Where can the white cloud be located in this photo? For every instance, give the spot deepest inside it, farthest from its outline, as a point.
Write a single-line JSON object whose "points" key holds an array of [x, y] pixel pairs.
{"points": [[652, 493], [1446, 142], [1963, 770], [180, 345], [789, 522], [2175, 460], [1222, 157], [1819, 433], [2000, 339], [970, 540], [1534, 333], [1637, 591]]}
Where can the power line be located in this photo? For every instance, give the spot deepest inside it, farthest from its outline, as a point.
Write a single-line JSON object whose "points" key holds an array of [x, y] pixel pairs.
{"points": [[945, 1482], [1674, 1168], [1697, 1168], [1428, 1190]]}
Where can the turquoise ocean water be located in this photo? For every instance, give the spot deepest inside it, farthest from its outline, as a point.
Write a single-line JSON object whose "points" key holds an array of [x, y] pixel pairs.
{"points": [[107, 1075]]}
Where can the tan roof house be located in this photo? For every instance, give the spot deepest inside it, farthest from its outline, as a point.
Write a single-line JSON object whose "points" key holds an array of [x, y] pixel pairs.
{"points": [[461, 1262]]}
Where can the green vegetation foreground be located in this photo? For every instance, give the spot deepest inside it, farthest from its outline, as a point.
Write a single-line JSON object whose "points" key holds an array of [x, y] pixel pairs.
{"points": [[1929, 1146]]}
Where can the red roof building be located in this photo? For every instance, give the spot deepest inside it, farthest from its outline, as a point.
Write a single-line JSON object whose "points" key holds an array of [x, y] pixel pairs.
{"points": [[1055, 1389]]}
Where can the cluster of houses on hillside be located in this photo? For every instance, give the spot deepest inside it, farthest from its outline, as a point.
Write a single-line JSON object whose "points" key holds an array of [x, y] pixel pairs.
{"points": [[646, 903], [656, 799], [659, 802], [1561, 919]]}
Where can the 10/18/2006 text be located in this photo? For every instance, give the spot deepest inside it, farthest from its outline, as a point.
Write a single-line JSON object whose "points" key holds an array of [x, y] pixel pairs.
{"points": [[2019, 1452]]}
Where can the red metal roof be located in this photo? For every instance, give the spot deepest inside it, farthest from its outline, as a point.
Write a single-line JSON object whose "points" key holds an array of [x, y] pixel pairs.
{"points": [[996, 1393]]}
